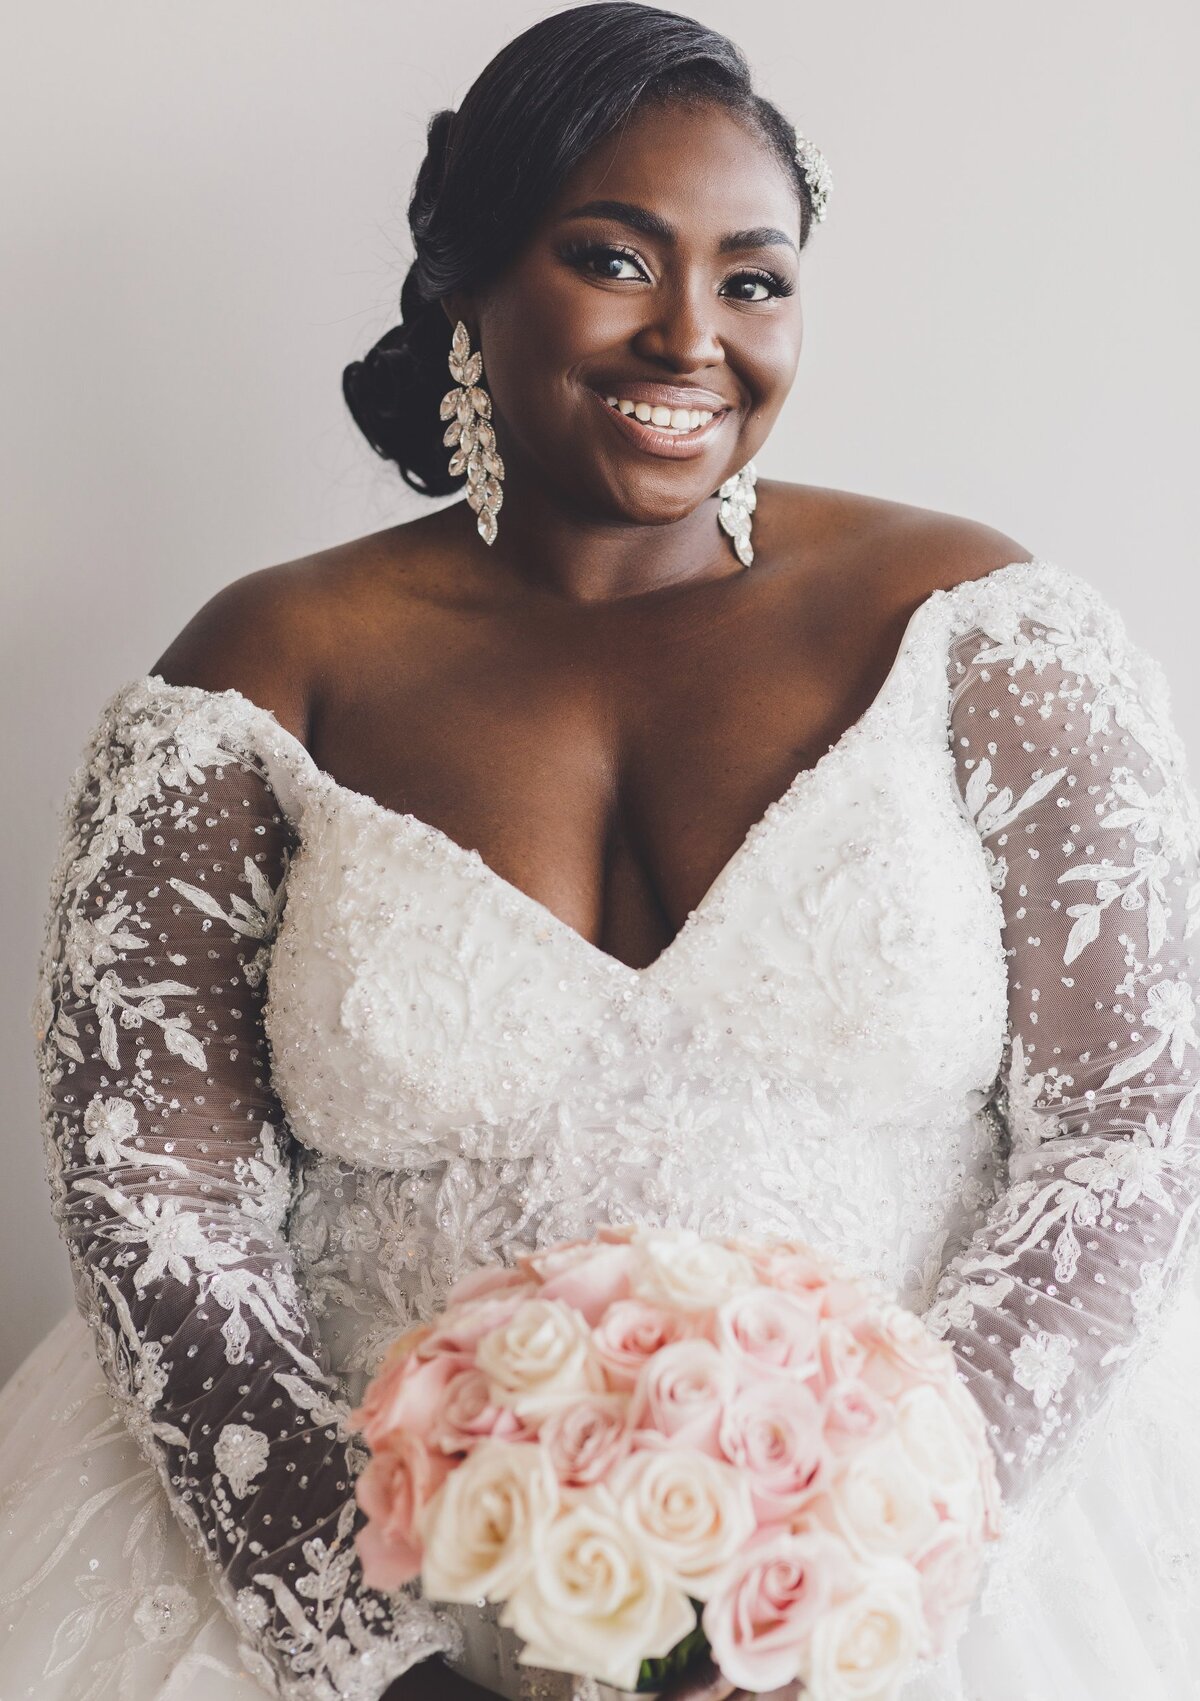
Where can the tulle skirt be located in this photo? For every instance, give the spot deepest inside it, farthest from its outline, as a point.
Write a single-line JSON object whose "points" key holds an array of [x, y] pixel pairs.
{"points": [[103, 1599]]}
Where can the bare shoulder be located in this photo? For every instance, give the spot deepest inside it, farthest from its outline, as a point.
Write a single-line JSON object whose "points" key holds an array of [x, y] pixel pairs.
{"points": [[273, 633], [894, 552], [252, 636]]}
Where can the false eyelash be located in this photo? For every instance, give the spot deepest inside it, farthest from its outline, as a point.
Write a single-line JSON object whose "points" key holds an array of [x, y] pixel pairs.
{"points": [[576, 251]]}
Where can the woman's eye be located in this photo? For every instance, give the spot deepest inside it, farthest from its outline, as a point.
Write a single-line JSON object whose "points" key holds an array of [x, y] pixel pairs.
{"points": [[767, 282], [603, 261]]}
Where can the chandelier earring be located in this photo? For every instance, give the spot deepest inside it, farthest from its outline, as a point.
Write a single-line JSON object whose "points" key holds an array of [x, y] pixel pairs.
{"points": [[468, 407], [738, 501]]}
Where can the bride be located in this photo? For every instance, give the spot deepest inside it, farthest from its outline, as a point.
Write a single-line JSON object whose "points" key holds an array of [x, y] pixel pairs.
{"points": [[630, 841]]}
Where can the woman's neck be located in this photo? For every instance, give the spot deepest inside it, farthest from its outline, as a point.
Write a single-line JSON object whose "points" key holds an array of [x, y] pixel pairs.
{"points": [[580, 558]]}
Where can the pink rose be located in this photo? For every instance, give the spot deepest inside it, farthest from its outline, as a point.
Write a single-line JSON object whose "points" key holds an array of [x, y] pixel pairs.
{"points": [[397, 1483], [760, 1616], [460, 1329], [632, 1331], [853, 1415], [774, 1432], [592, 1283], [407, 1396], [843, 1354], [681, 1394], [789, 1267], [587, 1438], [773, 1333], [561, 1254], [467, 1415]]}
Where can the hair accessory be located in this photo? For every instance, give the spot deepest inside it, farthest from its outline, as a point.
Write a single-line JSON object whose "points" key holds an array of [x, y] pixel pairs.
{"points": [[817, 174], [468, 407], [738, 502]]}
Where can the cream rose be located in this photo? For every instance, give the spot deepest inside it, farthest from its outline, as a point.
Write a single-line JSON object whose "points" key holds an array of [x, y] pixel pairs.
{"points": [[541, 1356], [862, 1647], [676, 1267], [883, 1506], [690, 1511], [486, 1521], [949, 1572], [901, 1349], [593, 1599], [933, 1438]]}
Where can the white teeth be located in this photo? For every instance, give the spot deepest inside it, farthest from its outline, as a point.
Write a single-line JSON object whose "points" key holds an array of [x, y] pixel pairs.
{"points": [[667, 419]]}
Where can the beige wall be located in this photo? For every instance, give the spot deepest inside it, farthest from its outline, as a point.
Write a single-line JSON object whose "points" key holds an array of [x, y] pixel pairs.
{"points": [[202, 212]]}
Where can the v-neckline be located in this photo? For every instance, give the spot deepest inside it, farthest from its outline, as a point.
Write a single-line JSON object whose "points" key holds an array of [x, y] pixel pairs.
{"points": [[467, 857]]}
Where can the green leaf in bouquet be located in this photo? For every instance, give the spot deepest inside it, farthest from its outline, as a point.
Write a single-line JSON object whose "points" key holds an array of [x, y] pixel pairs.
{"points": [[655, 1674]]}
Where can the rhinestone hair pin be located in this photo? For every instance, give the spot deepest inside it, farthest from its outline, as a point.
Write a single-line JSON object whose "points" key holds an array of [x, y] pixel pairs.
{"points": [[817, 174]]}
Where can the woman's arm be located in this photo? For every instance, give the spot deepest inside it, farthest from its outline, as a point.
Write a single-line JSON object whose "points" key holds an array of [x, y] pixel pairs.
{"points": [[1076, 781], [171, 1173]]}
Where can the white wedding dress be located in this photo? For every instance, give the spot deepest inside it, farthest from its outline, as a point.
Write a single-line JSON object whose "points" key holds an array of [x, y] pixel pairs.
{"points": [[305, 1060]]}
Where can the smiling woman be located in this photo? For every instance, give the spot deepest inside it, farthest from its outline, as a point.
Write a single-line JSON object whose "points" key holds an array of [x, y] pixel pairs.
{"points": [[565, 859]]}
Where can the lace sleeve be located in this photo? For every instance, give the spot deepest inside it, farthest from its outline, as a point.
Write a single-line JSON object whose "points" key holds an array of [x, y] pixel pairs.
{"points": [[1076, 781], [170, 1167]]}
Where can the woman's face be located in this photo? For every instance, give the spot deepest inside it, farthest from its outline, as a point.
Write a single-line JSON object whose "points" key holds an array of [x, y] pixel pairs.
{"points": [[684, 296]]}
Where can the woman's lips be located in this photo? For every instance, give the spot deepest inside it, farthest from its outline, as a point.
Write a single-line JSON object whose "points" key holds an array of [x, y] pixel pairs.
{"points": [[652, 440]]}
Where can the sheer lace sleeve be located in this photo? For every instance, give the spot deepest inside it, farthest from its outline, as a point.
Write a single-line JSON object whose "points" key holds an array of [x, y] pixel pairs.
{"points": [[170, 1167], [1076, 781]]}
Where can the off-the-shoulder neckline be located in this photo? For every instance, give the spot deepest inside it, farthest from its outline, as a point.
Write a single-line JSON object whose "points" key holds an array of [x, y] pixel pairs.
{"points": [[804, 781]]}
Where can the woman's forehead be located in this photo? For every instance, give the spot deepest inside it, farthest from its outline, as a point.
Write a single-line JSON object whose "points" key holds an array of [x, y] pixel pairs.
{"points": [[693, 171]]}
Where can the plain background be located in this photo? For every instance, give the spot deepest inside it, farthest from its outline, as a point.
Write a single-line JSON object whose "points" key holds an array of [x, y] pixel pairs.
{"points": [[202, 213]]}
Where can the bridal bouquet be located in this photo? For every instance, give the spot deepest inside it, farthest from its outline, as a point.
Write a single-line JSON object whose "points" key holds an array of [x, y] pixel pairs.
{"points": [[651, 1443]]}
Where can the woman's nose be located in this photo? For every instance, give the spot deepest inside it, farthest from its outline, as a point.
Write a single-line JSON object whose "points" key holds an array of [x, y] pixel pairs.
{"points": [[681, 330]]}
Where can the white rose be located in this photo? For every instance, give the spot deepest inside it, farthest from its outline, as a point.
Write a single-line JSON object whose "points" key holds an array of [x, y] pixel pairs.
{"points": [[675, 1267], [690, 1511], [881, 1504], [540, 1357], [862, 1648], [485, 1523], [594, 1601], [934, 1441]]}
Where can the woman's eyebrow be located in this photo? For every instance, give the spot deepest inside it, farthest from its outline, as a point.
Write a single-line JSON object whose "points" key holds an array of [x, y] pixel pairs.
{"points": [[652, 224]]}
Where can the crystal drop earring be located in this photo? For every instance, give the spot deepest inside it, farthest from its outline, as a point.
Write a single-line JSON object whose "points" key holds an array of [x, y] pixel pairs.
{"points": [[468, 407], [738, 501]]}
